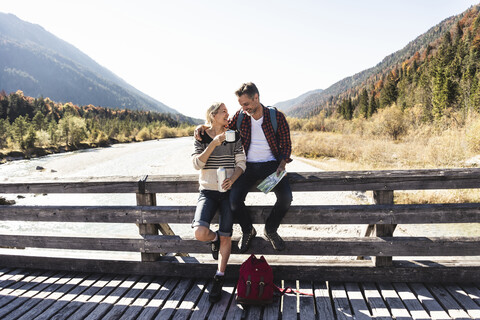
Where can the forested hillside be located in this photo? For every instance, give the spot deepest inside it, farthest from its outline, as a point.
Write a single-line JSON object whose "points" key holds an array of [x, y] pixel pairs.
{"points": [[439, 71], [37, 126]]}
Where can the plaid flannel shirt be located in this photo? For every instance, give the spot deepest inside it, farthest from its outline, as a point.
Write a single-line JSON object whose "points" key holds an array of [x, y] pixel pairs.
{"points": [[279, 143]]}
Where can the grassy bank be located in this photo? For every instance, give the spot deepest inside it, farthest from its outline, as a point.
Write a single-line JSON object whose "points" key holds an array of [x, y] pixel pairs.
{"points": [[46, 147], [394, 139]]}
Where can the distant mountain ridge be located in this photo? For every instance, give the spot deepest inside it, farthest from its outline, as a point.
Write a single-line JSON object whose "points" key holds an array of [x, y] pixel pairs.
{"points": [[313, 103], [40, 64], [285, 106]]}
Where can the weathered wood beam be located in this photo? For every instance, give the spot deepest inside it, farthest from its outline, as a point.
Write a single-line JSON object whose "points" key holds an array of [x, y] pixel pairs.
{"points": [[360, 271], [306, 181], [373, 246], [314, 214], [74, 185], [383, 197], [145, 229]]}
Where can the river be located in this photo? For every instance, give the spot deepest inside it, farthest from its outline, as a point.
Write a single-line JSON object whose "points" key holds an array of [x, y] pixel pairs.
{"points": [[157, 157], [162, 157]]}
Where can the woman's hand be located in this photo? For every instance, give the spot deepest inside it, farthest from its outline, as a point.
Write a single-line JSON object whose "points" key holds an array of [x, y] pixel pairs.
{"points": [[227, 184], [218, 139]]}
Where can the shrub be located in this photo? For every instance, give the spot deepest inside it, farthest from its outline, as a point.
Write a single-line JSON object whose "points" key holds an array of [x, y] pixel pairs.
{"points": [[473, 136], [388, 122], [143, 135]]}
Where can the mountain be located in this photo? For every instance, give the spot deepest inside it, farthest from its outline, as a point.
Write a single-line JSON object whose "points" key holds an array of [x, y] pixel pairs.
{"points": [[419, 51], [40, 64], [285, 106]]}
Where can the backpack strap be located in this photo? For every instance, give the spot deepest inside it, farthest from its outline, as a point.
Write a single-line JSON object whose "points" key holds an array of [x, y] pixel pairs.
{"points": [[288, 290], [239, 119], [273, 118]]}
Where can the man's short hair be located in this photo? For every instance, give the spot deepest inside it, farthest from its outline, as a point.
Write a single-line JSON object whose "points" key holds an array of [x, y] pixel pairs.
{"points": [[249, 89]]}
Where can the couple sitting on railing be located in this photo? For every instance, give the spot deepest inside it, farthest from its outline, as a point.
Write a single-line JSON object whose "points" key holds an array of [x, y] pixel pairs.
{"points": [[265, 137]]}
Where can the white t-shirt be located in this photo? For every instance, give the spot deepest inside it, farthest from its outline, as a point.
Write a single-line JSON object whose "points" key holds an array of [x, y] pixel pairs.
{"points": [[259, 150]]}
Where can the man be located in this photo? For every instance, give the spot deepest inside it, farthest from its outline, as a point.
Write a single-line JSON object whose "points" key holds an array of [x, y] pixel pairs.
{"points": [[268, 150]]}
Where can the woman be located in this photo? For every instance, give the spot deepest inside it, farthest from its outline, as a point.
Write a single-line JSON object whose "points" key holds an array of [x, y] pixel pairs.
{"points": [[212, 152]]}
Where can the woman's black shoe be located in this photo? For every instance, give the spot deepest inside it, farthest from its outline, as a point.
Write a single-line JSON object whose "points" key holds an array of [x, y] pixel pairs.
{"points": [[216, 291], [215, 247]]}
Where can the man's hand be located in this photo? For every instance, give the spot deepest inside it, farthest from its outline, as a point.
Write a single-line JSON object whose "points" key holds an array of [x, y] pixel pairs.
{"points": [[281, 167], [227, 184], [200, 129]]}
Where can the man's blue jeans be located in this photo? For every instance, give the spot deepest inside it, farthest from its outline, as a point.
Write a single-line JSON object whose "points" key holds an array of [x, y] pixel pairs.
{"points": [[253, 175]]}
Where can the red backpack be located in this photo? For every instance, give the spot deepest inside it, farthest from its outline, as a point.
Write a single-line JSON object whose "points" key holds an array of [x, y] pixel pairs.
{"points": [[255, 284]]}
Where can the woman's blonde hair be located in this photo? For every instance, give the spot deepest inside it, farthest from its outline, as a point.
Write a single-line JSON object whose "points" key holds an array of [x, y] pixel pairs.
{"points": [[212, 112]]}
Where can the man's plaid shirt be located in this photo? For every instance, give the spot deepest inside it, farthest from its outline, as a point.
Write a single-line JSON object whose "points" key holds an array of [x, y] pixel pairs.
{"points": [[280, 144]]}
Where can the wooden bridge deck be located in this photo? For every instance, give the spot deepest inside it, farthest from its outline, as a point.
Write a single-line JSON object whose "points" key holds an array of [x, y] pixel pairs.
{"points": [[39, 294]]}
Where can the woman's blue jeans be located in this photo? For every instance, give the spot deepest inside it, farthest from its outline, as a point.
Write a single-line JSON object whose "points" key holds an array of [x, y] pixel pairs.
{"points": [[253, 175]]}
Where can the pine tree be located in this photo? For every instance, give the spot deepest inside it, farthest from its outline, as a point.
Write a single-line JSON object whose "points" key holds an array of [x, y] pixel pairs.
{"points": [[363, 103], [346, 109], [373, 105], [389, 92]]}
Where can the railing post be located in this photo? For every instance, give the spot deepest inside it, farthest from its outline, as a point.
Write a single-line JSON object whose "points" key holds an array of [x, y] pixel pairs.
{"points": [[150, 199], [383, 230], [147, 199]]}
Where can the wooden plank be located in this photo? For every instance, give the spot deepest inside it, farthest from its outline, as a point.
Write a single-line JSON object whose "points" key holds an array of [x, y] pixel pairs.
{"points": [[11, 277], [272, 311], [137, 306], [472, 291], [305, 181], [345, 180], [464, 300], [236, 311], [29, 284], [188, 304], [254, 312], [84, 297], [80, 185], [323, 301], [411, 302], [221, 308], [36, 296], [46, 308], [157, 302], [385, 180], [95, 299], [75, 243], [393, 301], [357, 301], [341, 305], [375, 301], [453, 309], [289, 310], [339, 246], [101, 309], [203, 306], [174, 299], [306, 307], [428, 301], [10, 295], [351, 246], [111, 214], [350, 271], [307, 214], [121, 305]]}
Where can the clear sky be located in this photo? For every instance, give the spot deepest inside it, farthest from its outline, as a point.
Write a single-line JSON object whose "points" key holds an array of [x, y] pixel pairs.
{"points": [[190, 53]]}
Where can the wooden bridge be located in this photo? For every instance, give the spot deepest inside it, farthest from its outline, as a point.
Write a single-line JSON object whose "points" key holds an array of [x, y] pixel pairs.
{"points": [[170, 279]]}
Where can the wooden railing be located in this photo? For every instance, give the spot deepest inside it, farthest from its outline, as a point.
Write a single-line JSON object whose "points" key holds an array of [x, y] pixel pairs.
{"points": [[382, 217]]}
